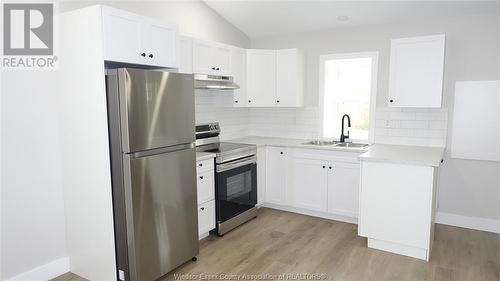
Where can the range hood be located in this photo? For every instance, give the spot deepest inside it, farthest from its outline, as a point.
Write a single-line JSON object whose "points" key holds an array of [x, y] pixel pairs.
{"points": [[214, 82]]}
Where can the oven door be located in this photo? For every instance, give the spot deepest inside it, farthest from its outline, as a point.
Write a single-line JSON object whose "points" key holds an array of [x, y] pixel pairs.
{"points": [[236, 187]]}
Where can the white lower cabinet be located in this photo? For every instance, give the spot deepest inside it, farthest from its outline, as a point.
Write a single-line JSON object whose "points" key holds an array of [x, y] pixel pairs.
{"points": [[276, 169], [261, 175], [205, 186], [324, 182], [343, 188], [308, 183], [206, 218], [409, 189]]}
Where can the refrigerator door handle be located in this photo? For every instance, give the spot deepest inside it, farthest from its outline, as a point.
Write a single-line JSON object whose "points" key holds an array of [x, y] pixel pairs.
{"points": [[161, 150]]}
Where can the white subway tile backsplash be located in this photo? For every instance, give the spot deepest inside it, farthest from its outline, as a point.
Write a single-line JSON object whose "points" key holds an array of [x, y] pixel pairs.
{"points": [[404, 126], [411, 126], [402, 115]]}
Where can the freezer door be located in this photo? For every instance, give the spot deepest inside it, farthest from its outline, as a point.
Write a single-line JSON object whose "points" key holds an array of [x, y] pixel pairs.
{"points": [[156, 108], [163, 233]]}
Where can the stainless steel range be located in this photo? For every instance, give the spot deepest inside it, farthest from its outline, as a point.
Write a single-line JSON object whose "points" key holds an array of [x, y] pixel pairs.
{"points": [[235, 177]]}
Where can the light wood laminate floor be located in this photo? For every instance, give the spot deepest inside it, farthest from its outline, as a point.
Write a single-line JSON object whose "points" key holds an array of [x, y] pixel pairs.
{"points": [[278, 242]]}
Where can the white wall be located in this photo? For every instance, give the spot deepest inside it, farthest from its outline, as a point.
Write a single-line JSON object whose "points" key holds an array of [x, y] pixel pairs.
{"points": [[195, 18], [468, 188], [32, 196], [32, 207]]}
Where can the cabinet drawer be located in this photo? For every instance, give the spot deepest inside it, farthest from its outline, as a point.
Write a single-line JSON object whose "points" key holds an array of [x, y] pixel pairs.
{"points": [[206, 217], [205, 165], [205, 186]]}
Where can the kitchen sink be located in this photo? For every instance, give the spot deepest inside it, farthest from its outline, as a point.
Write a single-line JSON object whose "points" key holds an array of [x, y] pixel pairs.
{"points": [[351, 144], [336, 143], [321, 142]]}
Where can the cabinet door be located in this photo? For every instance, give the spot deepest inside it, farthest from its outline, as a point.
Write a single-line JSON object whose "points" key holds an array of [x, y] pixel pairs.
{"points": [[203, 61], [185, 55], [238, 67], [343, 188], [160, 42], [308, 184], [275, 175], [122, 37], [261, 78], [289, 78], [416, 71], [261, 175], [222, 60], [206, 217], [205, 186]]}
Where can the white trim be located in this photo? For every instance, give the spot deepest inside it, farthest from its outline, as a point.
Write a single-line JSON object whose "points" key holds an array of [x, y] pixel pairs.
{"points": [[399, 249], [44, 272], [373, 92], [476, 223], [301, 211]]}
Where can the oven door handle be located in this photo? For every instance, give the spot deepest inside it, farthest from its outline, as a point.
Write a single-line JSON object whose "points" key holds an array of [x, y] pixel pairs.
{"points": [[236, 164]]}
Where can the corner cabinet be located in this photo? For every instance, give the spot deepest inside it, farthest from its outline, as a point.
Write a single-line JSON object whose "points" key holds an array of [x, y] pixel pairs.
{"points": [[135, 39], [416, 71], [289, 78], [261, 78], [238, 67]]}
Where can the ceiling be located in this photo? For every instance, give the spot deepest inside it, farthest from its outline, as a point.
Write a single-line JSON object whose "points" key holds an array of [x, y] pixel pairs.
{"points": [[261, 18]]}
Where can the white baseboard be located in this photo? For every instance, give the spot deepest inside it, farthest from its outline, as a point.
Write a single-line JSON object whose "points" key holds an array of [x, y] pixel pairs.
{"points": [[337, 217], [476, 223], [44, 272]]}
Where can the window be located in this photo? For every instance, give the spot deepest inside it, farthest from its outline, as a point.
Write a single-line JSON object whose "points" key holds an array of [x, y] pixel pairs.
{"points": [[348, 85]]}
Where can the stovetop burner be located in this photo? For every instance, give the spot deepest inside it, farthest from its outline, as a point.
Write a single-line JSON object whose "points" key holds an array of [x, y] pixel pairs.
{"points": [[207, 140]]}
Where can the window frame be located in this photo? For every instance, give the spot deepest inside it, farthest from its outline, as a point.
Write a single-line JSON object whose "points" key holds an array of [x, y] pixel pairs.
{"points": [[373, 92]]}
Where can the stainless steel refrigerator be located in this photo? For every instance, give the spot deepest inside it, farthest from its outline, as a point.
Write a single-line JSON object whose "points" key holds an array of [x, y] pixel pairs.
{"points": [[151, 129]]}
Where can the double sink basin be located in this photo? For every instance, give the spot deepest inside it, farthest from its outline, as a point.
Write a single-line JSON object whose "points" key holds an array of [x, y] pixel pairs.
{"points": [[337, 143]]}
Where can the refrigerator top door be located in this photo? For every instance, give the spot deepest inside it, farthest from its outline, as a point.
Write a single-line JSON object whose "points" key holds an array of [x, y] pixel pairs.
{"points": [[156, 109]]}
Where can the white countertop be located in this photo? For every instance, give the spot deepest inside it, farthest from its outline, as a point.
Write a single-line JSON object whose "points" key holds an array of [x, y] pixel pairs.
{"points": [[414, 155], [298, 143], [204, 155]]}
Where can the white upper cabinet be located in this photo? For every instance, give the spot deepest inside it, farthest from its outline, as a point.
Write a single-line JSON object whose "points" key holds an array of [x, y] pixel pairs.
{"points": [[122, 37], [131, 38], [261, 78], [238, 66], [211, 58], [289, 78], [160, 42], [185, 55], [416, 71]]}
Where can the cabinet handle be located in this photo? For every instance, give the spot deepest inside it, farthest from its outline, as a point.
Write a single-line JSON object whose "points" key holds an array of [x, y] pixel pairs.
{"points": [[249, 101], [151, 55], [217, 68], [330, 167], [143, 54], [391, 100], [278, 101], [201, 164], [324, 167], [201, 177], [213, 68], [235, 101], [202, 208], [281, 152]]}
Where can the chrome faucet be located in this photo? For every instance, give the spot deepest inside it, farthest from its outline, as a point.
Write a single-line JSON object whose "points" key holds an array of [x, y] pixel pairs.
{"points": [[342, 136]]}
